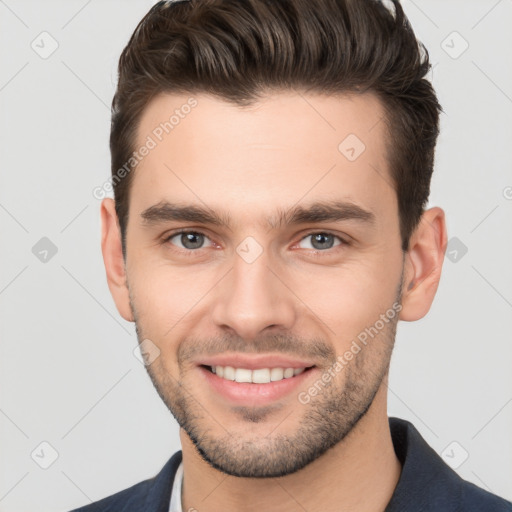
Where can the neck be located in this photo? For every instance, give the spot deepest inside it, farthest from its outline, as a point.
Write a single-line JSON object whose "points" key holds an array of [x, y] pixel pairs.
{"points": [[358, 474]]}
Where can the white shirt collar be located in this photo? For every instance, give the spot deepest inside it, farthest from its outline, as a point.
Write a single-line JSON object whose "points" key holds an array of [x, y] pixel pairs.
{"points": [[175, 505]]}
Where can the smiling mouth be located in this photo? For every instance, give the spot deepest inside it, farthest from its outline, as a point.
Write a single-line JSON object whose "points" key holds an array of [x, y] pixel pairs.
{"points": [[256, 376]]}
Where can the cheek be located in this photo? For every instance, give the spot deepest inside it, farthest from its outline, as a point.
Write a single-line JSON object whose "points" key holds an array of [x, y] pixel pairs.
{"points": [[349, 298], [165, 296]]}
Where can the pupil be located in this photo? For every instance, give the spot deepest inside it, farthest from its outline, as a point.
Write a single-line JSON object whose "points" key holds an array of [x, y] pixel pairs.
{"points": [[191, 240], [321, 239]]}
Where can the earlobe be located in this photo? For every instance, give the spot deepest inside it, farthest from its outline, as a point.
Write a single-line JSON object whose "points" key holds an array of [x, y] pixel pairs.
{"points": [[423, 264], [113, 258]]}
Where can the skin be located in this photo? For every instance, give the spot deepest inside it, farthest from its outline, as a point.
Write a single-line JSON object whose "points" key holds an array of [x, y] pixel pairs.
{"points": [[334, 452]]}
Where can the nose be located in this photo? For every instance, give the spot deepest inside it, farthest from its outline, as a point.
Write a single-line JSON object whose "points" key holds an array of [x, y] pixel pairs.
{"points": [[253, 297]]}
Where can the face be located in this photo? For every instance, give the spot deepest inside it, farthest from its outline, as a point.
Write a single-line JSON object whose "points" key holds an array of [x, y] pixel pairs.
{"points": [[263, 246]]}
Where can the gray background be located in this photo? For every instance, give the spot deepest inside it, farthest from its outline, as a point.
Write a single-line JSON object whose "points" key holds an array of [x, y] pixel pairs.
{"points": [[68, 373]]}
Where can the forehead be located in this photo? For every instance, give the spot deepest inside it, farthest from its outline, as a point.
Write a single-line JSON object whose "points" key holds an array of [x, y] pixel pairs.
{"points": [[286, 148]]}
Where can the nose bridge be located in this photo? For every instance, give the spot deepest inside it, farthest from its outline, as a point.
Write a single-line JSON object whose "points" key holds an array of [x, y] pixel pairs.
{"points": [[252, 298]]}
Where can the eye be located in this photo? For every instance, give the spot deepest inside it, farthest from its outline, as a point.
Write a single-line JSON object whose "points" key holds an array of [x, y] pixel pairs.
{"points": [[321, 241], [189, 240]]}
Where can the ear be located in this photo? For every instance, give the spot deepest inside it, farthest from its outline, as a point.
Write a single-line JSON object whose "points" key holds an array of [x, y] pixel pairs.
{"points": [[113, 258], [423, 264]]}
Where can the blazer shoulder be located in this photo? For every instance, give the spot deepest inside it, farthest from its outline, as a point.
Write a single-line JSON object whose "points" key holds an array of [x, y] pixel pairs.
{"points": [[476, 499], [127, 499], [151, 492]]}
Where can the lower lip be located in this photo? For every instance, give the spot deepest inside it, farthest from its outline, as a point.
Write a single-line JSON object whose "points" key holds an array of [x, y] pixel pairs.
{"points": [[247, 393]]}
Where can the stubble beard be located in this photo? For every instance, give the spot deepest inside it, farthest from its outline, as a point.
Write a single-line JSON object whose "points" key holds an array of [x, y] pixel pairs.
{"points": [[326, 420]]}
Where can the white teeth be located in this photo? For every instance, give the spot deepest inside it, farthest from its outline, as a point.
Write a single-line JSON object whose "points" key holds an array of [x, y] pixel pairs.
{"points": [[276, 374], [259, 376], [288, 373], [229, 372], [243, 375]]}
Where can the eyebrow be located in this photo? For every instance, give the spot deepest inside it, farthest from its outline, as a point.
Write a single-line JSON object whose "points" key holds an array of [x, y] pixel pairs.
{"points": [[331, 211]]}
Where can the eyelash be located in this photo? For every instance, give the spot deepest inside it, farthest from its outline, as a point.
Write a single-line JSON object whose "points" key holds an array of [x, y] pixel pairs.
{"points": [[315, 252]]}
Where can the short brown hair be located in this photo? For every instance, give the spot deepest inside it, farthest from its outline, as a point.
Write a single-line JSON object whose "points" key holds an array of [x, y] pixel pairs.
{"points": [[239, 49]]}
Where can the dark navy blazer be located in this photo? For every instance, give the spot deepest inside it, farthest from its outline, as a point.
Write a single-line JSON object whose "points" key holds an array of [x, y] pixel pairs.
{"points": [[426, 484]]}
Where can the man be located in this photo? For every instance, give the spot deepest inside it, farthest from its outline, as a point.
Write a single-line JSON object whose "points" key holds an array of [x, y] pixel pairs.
{"points": [[271, 162]]}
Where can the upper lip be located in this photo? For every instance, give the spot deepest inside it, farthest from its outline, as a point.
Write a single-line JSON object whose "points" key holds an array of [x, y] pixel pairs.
{"points": [[255, 362]]}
